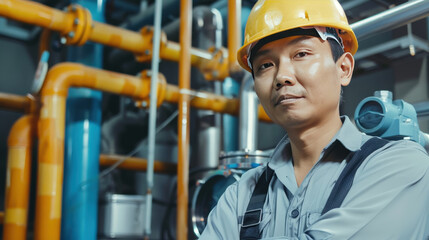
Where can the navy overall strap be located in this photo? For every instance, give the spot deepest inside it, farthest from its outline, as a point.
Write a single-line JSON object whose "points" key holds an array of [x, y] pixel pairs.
{"points": [[253, 215], [345, 180]]}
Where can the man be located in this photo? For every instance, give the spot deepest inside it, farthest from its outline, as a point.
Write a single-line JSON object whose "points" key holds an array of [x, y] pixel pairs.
{"points": [[301, 54]]}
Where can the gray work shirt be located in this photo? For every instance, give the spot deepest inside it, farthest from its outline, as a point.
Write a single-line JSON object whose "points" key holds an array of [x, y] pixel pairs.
{"points": [[389, 198]]}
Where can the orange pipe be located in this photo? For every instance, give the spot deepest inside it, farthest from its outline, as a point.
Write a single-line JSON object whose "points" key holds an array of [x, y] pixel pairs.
{"points": [[1, 217], [234, 34], [85, 29], [183, 119], [137, 164], [37, 14], [20, 143], [45, 38], [51, 130]]}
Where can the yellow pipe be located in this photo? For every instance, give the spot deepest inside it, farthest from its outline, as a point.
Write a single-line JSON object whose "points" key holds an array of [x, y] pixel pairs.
{"points": [[37, 14], [137, 164], [234, 34], [77, 27], [20, 143], [45, 38], [183, 119], [51, 130]]}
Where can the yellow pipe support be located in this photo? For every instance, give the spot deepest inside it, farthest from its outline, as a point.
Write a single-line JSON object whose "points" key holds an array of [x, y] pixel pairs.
{"points": [[20, 143], [183, 119], [137, 164], [77, 27], [234, 34]]}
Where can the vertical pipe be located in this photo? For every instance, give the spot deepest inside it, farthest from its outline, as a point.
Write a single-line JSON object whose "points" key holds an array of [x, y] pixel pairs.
{"points": [[248, 114], [183, 121], [50, 168], [152, 115], [234, 34], [82, 143], [20, 143]]}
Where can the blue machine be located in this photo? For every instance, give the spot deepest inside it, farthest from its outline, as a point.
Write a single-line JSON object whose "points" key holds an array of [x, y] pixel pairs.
{"points": [[380, 116]]}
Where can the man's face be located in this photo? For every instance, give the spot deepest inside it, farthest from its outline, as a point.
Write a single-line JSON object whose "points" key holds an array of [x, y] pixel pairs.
{"points": [[298, 82]]}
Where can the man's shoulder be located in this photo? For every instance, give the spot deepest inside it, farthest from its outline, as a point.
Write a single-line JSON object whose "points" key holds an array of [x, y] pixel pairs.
{"points": [[399, 156], [251, 176]]}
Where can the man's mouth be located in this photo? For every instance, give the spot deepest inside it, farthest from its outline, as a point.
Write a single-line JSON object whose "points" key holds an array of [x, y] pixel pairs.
{"points": [[287, 99]]}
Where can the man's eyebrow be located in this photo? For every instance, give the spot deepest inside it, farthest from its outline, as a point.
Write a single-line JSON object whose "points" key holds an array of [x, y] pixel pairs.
{"points": [[292, 42]]}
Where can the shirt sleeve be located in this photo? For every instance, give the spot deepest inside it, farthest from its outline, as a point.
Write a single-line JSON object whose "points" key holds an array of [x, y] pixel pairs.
{"points": [[222, 222], [388, 200]]}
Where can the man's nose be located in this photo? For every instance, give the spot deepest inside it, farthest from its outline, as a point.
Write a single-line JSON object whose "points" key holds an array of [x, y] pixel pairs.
{"points": [[285, 76]]}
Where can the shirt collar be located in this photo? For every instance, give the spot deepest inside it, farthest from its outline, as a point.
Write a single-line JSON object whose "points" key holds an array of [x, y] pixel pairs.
{"points": [[348, 135]]}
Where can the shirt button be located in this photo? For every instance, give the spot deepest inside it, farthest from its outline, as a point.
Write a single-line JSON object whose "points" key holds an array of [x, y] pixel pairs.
{"points": [[294, 213]]}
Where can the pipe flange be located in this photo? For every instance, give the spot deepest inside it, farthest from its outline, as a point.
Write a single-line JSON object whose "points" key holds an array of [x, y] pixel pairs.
{"points": [[146, 54], [82, 25], [162, 86], [217, 67], [244, 159]]}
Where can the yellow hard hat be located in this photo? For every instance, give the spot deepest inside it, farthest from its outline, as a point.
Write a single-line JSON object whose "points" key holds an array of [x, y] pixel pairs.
{"points": [[269, 17]]}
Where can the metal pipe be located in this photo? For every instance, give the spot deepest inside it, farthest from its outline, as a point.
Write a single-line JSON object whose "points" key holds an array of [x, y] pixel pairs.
{"points": [[234, 34], [82, 140], [405, 13], [17, 103], [183, 120], [20, 143], [218, 85], [77, 27], [248, 114], [137, 164], [152, 116], [51, 128]]}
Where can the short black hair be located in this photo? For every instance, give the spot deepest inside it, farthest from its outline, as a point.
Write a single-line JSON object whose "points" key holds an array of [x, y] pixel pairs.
{"points": [[336, 49]]}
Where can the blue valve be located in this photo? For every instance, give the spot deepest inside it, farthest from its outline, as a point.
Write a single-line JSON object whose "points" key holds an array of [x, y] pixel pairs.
{"points": [[380, 116]]}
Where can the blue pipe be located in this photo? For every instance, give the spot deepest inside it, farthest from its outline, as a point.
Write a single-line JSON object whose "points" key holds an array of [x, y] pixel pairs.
{"points": [[82, 143]]}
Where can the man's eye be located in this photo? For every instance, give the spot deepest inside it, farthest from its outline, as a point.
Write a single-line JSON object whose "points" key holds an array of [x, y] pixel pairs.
{"points": [[301, 54], [265, 66]]}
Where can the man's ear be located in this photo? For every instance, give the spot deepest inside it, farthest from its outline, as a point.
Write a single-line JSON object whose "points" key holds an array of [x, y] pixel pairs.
{"points": [[345, 64]]}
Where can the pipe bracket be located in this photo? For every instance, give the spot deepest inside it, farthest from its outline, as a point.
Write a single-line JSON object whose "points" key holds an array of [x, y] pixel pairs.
{"points": [[82, 25], [146, 54], [162, 86], [217, 67]]}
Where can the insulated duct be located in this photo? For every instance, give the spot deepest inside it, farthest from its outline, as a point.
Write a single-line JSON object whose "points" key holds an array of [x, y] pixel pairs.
{"points": [[392, 18]]}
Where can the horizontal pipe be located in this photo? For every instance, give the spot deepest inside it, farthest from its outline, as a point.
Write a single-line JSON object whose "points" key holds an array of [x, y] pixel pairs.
{"points": [[137, 164], [17, 102], [398, 16], [74, 26]]}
